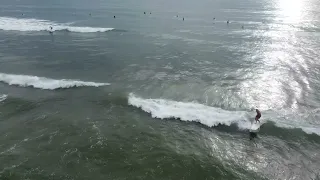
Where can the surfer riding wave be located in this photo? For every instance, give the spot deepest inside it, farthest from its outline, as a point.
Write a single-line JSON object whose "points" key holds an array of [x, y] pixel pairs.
{"points": [[253, 133], [258, 116]]}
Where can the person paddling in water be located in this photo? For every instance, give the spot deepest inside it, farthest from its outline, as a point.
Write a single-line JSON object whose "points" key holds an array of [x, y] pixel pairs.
{"points": [[258, 116]]}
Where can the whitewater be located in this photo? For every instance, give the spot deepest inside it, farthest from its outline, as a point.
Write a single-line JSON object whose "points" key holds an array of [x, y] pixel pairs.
{"points": [[44, 83], [21, 24], [3, 97], [212, 116]]}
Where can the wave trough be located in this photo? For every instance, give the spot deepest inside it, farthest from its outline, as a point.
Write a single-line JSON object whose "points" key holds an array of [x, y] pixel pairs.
{"points": [[15, 24], [44, 83], [210, 116]]}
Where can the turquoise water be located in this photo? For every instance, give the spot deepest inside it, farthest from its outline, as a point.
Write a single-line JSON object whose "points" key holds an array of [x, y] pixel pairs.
{"points": [[153, 96]]}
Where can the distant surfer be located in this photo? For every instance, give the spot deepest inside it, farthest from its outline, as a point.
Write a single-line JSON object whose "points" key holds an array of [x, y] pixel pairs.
{"points": [[114, 17], [51, 30], [258, 116], [144, 12], [183, 19], [228, 22]]}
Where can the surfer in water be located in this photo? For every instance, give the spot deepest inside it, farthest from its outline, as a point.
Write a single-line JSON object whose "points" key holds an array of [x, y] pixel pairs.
{"points": [[51, 30], [258, 116]]}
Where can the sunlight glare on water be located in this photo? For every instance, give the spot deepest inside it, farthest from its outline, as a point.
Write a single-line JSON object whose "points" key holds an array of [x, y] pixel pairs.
{"points": [[290, 11], [279, 78]]}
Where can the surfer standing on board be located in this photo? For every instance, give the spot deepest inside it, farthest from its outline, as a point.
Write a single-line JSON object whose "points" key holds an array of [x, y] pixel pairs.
{"points": [[253, 132], [258, 116]]}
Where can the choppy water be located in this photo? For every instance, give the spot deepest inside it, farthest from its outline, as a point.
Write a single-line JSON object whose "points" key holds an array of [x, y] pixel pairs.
{"points": [[153, 96]]}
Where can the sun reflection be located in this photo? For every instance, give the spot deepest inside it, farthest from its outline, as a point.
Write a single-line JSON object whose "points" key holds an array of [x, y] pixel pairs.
{"points": [[279, 78], [290, 11]]}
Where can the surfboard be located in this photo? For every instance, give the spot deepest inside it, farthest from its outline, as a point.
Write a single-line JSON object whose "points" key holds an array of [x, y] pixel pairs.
{"points": [[255, 127]]}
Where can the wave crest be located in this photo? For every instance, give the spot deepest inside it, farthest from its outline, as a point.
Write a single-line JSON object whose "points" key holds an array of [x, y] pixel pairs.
{"points": [[15, 24], [43, 82], [188, 111], [3, 97], [211, 116]]}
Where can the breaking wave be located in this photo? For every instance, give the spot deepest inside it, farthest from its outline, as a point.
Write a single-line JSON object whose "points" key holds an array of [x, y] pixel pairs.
{"points": [[44, 83], [211, 116], [15, 24], [188, 111], [3, 97]]}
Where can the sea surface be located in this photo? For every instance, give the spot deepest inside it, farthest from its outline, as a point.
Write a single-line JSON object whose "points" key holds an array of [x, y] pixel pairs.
{"points": [[159, 89]]}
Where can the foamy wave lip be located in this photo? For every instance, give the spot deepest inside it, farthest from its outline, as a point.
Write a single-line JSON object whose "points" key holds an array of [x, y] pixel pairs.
{"points": [[3, 97], [297, 122], [209, 116], [187, 111], [83, 29], [44, 83], [15, 24]]}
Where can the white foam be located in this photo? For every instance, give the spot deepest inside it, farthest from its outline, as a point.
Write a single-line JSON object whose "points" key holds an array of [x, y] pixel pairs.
{"points": [[44, 83], [15, 24], [188, 111], [3, 97], [82, 29], [308, 121], [211, 116]]}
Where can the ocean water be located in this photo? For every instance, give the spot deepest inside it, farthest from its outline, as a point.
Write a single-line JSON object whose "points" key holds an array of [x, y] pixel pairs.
{"points": [[152, 96]]}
